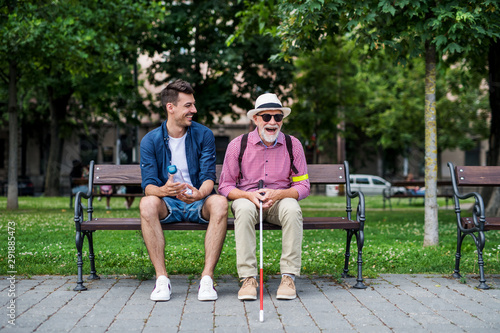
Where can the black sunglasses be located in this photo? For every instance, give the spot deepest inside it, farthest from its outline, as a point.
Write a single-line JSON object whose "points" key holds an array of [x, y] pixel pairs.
{"points": [[267, 117]]}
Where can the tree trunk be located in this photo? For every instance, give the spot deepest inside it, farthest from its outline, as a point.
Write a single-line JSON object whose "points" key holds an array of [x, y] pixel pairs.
{"points": [[12, 196], [57, 106], [493, 204], [431, 232]]}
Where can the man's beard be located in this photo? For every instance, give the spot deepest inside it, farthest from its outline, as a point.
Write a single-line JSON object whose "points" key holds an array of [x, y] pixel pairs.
{"points": [[266, 136]]}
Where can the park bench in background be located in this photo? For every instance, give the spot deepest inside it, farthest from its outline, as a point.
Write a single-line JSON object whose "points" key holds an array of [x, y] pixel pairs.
{"points": [[87, 224], [74, 182], [477, 224], [396, 191]]}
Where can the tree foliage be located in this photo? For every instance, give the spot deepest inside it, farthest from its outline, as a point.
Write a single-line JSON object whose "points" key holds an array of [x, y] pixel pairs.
{"points": [[380, 103], [190, 43]]}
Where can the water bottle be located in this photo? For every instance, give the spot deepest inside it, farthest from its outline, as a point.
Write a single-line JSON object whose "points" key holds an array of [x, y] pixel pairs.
{"points": [[178, 178]]}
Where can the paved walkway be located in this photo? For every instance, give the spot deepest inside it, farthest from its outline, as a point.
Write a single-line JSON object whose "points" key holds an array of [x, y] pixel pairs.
{"points": [[391, 303]]}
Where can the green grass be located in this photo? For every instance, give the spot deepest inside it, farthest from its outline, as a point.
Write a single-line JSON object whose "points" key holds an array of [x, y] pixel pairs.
{"points": [[44, 242]]}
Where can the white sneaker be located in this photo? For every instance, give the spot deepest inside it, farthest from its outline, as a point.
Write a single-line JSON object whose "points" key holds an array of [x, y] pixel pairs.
{"points": [[162, 290], [206, 291]]}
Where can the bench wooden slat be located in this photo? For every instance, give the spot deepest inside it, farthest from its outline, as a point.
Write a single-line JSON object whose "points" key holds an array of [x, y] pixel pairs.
{"points": [[130, 174], [135, 224], [110, 174], [478, 175], [491, 223]]}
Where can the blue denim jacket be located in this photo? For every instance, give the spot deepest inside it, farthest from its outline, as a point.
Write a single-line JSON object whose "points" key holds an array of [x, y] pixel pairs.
{"points": [[156, 155]]}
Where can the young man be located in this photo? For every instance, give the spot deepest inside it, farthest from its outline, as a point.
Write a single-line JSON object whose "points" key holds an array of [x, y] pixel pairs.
{"points": [[282, 166], [191, 147]]}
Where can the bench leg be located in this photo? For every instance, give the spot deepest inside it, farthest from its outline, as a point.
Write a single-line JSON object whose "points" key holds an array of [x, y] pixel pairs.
{"points": [[458, 255], [93, 275], [80, 236], [480, 242], [360, 239], [345, 273]]}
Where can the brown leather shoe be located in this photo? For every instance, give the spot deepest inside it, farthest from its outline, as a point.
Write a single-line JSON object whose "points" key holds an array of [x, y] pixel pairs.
{"points": [[248, 290], [286, 289]]}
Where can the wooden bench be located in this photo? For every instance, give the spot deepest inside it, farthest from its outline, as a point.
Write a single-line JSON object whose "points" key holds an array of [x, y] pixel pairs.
{"points": [[477, 223], [83, 181], [87, 224], [389, 193]]}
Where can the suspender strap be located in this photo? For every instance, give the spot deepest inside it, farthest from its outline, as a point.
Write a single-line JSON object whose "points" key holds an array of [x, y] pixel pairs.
{"points": [[243, 146], [288, 141]]}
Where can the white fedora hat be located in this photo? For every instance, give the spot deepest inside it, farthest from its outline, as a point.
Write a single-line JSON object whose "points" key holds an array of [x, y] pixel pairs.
{"points": [[265, 102]]}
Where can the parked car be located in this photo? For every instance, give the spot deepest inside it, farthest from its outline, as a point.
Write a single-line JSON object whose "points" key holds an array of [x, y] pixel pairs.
{"points": [[368, 184], [332, 190], [372, 185], [24, 187]]}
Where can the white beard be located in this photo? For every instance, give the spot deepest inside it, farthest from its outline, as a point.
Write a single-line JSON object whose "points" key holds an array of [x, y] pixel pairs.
{"points": [[266, 136]]}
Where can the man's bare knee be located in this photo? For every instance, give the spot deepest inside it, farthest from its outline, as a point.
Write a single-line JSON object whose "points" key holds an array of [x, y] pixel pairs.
{"points": [[219, 204], [150, 207], [216, 206]]}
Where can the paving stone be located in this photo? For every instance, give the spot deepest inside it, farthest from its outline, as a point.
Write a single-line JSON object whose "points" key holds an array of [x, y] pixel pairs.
{"points": [[391, 303]]}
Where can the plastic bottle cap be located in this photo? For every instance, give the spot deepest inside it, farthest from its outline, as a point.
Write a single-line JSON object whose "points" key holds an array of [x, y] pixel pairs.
{"points": [[172, 169]]}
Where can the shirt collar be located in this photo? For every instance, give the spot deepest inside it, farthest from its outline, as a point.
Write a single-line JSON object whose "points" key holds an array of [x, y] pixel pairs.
{"points": [[165, 131]]}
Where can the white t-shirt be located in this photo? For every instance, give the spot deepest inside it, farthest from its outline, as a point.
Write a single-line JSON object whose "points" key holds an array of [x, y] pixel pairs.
{"points": [[178, 150]]}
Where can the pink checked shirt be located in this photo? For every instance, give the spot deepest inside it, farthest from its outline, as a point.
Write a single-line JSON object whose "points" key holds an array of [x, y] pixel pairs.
{"points": [[271, 164]]}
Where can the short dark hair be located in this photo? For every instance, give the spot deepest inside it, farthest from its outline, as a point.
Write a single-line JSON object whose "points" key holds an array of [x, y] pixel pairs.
{"points": [[171, 92]]}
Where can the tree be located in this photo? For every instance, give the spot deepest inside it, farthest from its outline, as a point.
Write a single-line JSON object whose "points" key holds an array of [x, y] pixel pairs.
{"points": [[407, 29], [433, 29], [493, 207], [18, 38], [64, 44]]}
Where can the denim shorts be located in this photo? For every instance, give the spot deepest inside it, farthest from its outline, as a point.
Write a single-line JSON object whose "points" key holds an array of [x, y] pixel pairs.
{"points": [[181, 211]]}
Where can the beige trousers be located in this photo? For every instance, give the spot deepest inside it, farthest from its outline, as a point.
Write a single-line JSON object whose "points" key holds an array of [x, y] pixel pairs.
{"points": [[285, 213]]}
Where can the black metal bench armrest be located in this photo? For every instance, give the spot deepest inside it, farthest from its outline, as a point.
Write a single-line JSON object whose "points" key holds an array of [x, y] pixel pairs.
{"points": [[360, 210], [85, 195], [478, 210]]}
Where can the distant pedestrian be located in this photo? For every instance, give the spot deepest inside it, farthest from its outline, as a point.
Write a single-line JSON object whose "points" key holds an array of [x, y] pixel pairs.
{"points": [[106, 191]]}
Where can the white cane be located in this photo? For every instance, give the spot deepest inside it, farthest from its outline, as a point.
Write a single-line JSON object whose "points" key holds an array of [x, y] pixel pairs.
{"points": [[261, 289]]}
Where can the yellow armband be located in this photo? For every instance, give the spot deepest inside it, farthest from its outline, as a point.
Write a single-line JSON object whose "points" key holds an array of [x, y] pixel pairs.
{"points": [[300, 178]]}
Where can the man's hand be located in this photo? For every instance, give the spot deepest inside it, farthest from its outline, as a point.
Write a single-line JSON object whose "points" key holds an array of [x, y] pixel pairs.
{"points": [[267, 196], [190, 198], [172, 189]]}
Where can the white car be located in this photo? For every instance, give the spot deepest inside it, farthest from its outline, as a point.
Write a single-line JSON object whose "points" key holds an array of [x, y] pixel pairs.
{"points": [[368, 184], [372, 185]]}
